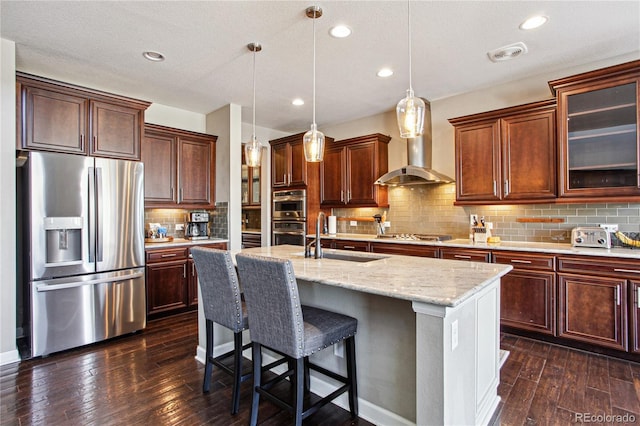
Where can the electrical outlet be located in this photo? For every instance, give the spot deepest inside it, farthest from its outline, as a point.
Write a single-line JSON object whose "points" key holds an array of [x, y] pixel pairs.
{"points": [[387, 224], [473, 219], [454, 335], [353, 223], [338, 349], [179, 226], [609, 227]]}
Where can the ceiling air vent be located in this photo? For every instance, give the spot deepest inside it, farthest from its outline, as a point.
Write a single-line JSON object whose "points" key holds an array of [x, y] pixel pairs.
{"points": [[507, 52]]}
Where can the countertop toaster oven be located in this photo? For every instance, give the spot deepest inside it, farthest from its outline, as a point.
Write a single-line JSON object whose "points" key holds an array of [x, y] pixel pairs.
{"points": [[590, 236]]}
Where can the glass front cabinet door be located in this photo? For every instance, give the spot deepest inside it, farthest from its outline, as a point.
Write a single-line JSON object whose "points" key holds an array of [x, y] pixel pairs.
{"points": [[250, 184], [598, 129]]}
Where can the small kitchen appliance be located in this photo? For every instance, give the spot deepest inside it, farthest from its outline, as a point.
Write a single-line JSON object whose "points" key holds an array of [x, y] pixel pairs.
{"points": [[590, 236], [197, 226]]}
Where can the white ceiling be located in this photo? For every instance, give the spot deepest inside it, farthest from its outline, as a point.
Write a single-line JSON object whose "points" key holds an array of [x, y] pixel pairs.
{"points": [[99, 44]]}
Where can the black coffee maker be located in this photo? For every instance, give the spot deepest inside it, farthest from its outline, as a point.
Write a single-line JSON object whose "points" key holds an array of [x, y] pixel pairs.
{"points": [[197, 226]]}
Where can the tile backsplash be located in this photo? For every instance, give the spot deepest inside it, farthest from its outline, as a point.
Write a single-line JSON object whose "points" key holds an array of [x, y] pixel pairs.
{"points": [[427, 209], [218, 222]]}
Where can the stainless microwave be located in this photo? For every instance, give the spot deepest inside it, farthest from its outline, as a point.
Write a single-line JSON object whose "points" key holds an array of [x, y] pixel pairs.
{"points": [[290, 205]]}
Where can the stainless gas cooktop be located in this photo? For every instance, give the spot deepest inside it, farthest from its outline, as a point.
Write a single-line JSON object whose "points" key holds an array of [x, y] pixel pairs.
{"points": [[416, 237]]}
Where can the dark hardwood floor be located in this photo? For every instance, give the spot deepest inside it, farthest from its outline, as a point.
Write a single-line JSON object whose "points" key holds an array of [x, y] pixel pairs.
{"points": [[547, 384], [153, 378]]}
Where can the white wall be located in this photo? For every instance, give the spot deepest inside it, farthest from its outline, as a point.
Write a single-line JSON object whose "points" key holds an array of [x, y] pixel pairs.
{"points": [[8, 349], [174, 117]]}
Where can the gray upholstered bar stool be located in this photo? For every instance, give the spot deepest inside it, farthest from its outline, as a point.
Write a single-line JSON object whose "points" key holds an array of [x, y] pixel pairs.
{"points": [[222, 304], [279, 322]]}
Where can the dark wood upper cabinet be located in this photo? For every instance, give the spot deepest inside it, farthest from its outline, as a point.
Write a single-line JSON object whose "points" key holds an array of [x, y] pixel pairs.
{"points": [[179, 168], [598, 136], [507, 155], [289, 168], [349, 169], [60, 117]]}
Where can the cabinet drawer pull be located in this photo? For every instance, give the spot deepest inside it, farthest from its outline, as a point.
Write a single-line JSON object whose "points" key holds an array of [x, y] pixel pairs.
{"points": [[169, 255], [506, 187], [617, 295], [495, 190], [184, 271], [461, 256], [193, 269], [638, 296], [349, 247], [172, 192], [528, 262], [81, 142], [632, 271]]}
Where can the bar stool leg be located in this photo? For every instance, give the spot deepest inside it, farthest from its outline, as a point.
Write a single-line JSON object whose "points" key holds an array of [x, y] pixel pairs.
{"points": [[307, 378], [208, 363], [256, 355], [299, 395], [237, 371], [350, 346]]}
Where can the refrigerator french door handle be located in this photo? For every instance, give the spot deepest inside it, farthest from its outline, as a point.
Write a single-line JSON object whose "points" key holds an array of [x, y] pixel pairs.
{"points": [[51, 287], [99, 235], [92, 208]]}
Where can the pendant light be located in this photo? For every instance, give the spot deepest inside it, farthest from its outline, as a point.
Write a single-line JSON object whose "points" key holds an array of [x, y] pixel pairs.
{"points": [[253, 149], [313, 140], [410, 110]]}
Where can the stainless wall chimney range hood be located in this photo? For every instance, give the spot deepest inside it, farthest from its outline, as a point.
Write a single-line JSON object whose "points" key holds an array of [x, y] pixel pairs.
{"points": [[419, 171]]}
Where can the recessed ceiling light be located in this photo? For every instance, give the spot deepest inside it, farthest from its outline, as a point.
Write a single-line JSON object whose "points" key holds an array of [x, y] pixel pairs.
{"points": [[534, 22], [297, 102], [385, 72], [153, 56], [340, 31]]}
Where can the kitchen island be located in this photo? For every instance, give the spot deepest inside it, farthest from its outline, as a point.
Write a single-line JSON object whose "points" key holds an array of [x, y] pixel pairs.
{"points": [[427, 345]]}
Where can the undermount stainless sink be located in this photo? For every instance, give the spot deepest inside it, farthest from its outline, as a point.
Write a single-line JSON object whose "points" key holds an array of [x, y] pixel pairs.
{"points": [[351, 257]]}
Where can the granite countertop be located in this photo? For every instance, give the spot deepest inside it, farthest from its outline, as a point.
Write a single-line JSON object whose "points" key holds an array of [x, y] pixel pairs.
{"points": [[178, 242], [553, 248], [436, 281]]}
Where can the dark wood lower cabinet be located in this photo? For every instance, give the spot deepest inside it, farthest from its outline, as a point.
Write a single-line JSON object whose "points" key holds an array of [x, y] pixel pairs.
{"points": [[527, 301], [470, 255], [634, 316], [350, 245], [172, 280], [593, 310], [166, 286], [405, 249]]}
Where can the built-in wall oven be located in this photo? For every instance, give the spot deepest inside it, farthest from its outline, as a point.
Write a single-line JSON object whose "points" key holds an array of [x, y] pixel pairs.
{"points": [[289, 217]]}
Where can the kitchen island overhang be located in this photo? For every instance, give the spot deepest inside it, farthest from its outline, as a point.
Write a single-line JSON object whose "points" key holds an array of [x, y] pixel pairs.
{"points": [[410, 311]]}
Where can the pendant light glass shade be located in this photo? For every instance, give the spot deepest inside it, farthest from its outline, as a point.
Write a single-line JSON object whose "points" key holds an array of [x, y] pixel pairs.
{"points": [[253, 148], [253, 152], [313, 140], [410, 110]]}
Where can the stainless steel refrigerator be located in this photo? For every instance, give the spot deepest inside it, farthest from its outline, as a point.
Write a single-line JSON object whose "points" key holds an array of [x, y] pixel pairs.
{"points": [[83, 244]]}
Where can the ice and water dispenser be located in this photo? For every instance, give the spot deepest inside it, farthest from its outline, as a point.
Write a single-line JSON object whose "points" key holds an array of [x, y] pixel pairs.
{"points": [[64, 240]]}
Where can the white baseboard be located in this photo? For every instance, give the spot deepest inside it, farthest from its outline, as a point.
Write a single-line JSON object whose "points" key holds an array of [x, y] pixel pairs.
{"points": [[9, 357], [366, 410]]}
